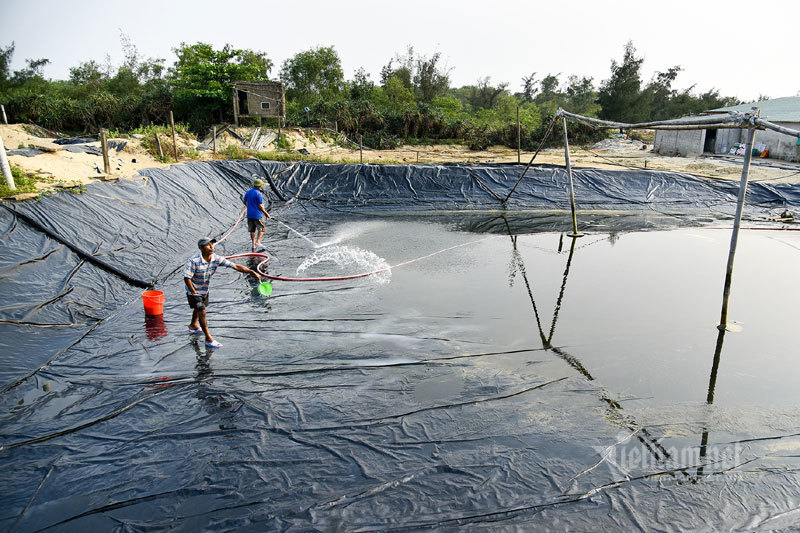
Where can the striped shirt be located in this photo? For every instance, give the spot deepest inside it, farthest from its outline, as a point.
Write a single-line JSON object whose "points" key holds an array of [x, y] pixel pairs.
{"points": [[200, 271]]}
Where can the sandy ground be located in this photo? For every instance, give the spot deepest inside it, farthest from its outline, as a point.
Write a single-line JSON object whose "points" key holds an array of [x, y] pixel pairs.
{"points": [[59, 168]]}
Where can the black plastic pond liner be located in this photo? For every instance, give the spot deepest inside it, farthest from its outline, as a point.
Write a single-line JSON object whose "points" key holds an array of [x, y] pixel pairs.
{"points": [[302, 421]]}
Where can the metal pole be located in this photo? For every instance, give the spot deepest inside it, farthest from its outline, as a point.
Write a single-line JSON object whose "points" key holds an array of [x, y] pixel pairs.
{"points": [[519, 149], [214, 144], [104, 148], [6, 167], [5, 119], [575, 232], [361, 147], [726, 292]]}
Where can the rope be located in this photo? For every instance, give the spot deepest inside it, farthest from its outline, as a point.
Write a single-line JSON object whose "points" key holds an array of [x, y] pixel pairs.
{"points": [[348, 277], [541, 144]]}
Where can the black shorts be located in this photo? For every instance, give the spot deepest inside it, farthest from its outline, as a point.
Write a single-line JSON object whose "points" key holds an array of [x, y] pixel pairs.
{"points": [[254, 224], [193, 302]]}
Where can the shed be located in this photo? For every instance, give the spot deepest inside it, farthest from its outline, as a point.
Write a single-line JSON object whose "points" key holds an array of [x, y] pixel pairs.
{"points": [[258, 99], [784, 112]]}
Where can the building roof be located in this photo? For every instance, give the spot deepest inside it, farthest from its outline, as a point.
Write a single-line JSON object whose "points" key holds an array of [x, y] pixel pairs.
{"points": [[776, 110]]}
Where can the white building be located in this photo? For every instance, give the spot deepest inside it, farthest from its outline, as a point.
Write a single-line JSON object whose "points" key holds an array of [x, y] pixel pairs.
{"points": [[784, 112]]}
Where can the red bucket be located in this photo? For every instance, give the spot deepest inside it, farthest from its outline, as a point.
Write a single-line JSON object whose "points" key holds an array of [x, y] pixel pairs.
{"points": [[153, 302]]}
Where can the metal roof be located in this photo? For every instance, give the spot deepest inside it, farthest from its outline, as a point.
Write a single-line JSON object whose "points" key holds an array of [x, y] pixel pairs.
{"points": [[776, 110]]}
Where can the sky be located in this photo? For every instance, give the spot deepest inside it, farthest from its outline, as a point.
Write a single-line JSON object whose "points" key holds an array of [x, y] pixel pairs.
{"points": [[741, 49]]}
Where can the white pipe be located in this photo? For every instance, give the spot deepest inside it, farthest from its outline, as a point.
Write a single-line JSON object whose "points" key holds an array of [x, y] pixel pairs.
{"points": [[6, 168]]}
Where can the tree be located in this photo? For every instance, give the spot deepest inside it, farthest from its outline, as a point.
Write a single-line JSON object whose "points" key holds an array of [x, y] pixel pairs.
{"points": [[404, 71], [424, 75], [399, 98], [529, 88], [87, 73], [581, 97], [202, 78], [662, 94], [550, 97], [34, 69], [430, 80], [620, 96], [483, 95], [313, 75], [143, 69], [5, 63]]}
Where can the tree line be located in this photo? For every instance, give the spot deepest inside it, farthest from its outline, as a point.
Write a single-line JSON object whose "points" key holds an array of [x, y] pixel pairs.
{"points": [[412, 101]]}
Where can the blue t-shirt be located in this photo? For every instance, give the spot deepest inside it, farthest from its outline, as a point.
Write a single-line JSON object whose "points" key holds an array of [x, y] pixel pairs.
{"points": [[253, 198]]}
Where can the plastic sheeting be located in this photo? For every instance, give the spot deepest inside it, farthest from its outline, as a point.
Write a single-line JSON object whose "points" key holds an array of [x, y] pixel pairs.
{"points": [[512, 381]]}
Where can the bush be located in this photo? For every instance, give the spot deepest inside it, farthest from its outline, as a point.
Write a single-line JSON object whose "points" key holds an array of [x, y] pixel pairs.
{"points": [[21, 181]]}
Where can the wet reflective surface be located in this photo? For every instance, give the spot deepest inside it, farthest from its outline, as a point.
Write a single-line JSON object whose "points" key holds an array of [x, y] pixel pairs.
{"points": [[495, 380]]}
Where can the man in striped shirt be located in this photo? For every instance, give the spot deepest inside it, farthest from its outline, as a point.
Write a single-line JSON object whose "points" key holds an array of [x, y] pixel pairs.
{"points": [[197, 276]]}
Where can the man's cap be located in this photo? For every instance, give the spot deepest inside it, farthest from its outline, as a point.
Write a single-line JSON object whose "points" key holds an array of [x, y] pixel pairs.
{"points": [[257, 183], [203, 242]]}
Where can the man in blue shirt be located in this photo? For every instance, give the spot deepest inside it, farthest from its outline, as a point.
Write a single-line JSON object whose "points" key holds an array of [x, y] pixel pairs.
{"points": [[197, 276], [254, 201]]}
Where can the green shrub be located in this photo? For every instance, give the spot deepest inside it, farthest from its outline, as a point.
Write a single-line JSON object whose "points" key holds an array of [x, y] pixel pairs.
{"points": [[22, 182]]}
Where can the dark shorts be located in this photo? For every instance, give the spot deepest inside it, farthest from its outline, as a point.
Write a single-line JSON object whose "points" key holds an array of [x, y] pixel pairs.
{"points": [[190, 298], [254, 224]]}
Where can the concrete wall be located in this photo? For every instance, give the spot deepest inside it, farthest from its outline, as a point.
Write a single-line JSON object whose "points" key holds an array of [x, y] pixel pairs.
{"points": [[780, 146], [690, 142], [258, 92], [679, 142], [726, 138]]}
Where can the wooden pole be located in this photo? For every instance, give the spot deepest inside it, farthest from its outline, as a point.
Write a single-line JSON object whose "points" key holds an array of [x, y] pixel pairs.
{"points": [[5, 119], [104, 148], [158, 146], [748, 155], [9, 177], [235, 107], [575, 232], [214, 143], [361, 147], [519, 143], [174, 142]]}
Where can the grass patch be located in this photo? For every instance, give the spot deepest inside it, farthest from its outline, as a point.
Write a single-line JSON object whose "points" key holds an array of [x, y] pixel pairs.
{"points": [[21, 181]]}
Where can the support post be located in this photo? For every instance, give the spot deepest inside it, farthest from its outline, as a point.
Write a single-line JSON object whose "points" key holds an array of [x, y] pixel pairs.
{"points": [[360, 148], [280, 122], [9, 177], [104, 148], [5, 119], [748, 155], [519, 143], [214, 142], [575, 232], [174, 142], [235, 107], [158, 146]]}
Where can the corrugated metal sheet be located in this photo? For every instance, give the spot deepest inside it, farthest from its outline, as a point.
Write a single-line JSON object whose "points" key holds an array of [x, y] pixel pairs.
{"points": [[776, 110]]}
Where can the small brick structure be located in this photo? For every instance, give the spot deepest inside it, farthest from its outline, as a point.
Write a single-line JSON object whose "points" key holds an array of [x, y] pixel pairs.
{"points": [[258, 99]]}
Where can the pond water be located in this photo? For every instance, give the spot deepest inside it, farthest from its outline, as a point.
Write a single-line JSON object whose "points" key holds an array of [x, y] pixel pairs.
{"points": [[493, 380]]}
